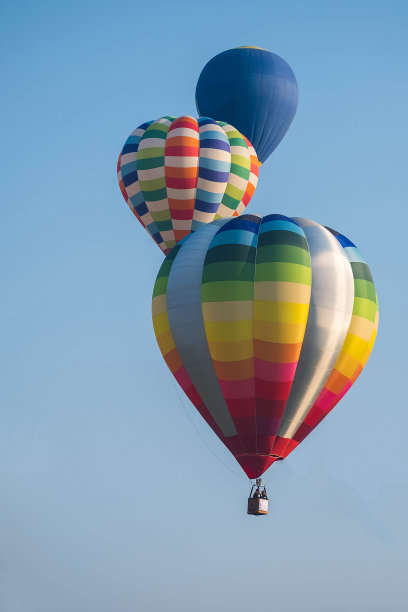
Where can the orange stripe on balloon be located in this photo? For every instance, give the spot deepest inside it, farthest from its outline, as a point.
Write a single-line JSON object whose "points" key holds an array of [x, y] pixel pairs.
{"points": [[187, 122], [276, 351], [181, 141], [174, 172], [186, 205], [237, 370], [180, 234]]}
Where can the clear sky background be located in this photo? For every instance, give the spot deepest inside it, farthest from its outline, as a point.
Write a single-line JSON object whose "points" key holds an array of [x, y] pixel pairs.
{"points": [[109, 499]]}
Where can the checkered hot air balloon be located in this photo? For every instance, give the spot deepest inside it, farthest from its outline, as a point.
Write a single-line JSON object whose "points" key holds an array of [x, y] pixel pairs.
{"points": [[265, 322], [177, 175]]}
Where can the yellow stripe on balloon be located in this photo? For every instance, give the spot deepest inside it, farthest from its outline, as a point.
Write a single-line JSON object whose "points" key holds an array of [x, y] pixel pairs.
{"points": [[228, 311], [228, 331], [286, 333], [281, 312], [231, 351]]}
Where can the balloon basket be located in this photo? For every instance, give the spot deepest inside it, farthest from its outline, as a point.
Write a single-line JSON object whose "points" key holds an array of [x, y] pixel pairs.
{"points": [[257, 507], [258, 500]]}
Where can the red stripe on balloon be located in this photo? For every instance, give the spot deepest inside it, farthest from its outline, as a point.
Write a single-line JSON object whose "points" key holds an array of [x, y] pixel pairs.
{"points": [[186, 122], [182, 151], [181, 183]]}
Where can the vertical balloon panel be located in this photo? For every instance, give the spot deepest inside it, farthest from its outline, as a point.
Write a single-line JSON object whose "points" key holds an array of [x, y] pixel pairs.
{"points": [[357, 347], [227, 298], [167, 345], [282, 297]]}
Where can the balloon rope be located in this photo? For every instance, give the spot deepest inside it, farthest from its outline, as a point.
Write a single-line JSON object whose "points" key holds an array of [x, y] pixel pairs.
{"points": [[268, 480], [202, 439], [194, 425]]}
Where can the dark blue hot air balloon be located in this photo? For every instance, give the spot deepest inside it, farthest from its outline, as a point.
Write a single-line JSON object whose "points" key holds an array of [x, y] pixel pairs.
{"points": [[254, 90]]}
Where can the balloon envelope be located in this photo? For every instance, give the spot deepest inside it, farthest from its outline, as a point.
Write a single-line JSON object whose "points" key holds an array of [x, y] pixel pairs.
{"points": [[179, 174], [254, 90], [265, 322]]}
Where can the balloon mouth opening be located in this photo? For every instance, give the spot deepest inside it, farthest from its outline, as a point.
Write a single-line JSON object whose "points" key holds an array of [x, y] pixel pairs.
{"points": [[254, 465]]}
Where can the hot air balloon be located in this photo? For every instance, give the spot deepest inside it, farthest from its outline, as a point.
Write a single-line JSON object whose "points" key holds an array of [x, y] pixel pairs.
{"points": [[265, 322], [179, 174], [254, 90]]}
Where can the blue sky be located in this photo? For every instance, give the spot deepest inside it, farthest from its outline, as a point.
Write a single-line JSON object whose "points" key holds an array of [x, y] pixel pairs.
{"points": [[109, 500]]}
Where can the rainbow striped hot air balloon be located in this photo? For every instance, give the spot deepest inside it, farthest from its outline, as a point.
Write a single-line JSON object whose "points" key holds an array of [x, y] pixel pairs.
{"points": [[179, 174], [265, 322]]}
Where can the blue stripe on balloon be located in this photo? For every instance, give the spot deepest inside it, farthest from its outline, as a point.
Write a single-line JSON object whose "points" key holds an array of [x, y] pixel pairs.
{"points": [[130, 147], [277, 217], [137, 199], [211, 143], [126, 169], [354, 254], [215, 164], [152, 228], [144, 126], [213, 175], [141, 209], [235, 236], [196, 225], [133, 139], [270, 226], [208, 196], [242, 223], [129, 179], [208, 207], [344, 241], [216, 134], [157, 236], [205, 121]]}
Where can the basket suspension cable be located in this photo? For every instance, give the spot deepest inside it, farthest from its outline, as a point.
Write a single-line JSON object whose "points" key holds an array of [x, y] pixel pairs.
{"points": [[246, 479], [203, 440]]}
